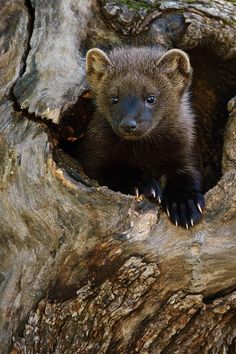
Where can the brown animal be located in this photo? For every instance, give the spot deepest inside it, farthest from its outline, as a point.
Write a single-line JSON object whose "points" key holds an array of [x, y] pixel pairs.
{"points": [[143, 128]]}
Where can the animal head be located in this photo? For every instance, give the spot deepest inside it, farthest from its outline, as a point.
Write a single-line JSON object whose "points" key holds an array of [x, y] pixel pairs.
{"points": [[137, 89]]}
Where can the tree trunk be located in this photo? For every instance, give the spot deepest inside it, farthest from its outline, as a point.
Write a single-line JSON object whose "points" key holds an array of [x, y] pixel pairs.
{"points": [[84, 269]]}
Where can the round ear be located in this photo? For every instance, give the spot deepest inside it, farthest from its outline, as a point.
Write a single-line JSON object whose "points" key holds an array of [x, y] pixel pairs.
{"points": [[176, 66], [97, 63]]}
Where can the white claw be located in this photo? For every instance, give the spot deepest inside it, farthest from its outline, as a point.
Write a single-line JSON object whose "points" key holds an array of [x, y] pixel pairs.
{"points": [[159, 199], [199, 208], [136, 192], [153, 193], [186, 226], [176, 223], [167, 211], [191, 221]]}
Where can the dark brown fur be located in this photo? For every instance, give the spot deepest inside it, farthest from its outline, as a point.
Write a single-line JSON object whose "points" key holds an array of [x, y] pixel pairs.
{"points": [[165, 147]]}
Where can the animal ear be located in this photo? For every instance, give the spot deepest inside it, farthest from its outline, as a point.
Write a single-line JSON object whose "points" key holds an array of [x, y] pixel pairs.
{"points": [[97, 63], [176, 66]]}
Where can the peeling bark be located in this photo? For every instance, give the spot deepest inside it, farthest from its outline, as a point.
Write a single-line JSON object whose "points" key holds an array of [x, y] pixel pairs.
{"points": [[182, 324], [84, 269]]}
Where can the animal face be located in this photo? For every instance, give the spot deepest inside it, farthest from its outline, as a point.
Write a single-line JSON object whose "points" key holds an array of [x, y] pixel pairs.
{"points": [[131, 104], [135, 89], [132, 114]]}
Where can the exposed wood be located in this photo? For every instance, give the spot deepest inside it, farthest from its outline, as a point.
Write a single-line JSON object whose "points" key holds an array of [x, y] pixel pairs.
{"points": [[84, 269]]}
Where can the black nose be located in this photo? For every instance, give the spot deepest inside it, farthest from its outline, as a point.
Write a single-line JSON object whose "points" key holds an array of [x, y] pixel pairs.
{"points": [[128, 125]]}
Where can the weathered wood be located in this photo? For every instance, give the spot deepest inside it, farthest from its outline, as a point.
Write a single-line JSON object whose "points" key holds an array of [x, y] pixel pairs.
{"points": [[55, 75], [84, 269], [14, 22]]}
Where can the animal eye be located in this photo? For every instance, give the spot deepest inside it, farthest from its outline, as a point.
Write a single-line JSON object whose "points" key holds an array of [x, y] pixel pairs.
{"points": [[114, 99], [151, 99]]}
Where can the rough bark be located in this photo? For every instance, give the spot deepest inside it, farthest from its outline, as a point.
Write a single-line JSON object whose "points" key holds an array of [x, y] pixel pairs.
{"points": [[84, 269]]}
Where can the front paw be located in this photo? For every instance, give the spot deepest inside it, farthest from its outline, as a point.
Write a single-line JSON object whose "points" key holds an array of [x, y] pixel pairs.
{"points": [[149, 187], [184, 207]]}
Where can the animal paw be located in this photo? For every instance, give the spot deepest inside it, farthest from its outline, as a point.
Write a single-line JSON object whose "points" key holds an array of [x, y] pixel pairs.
{"points": [[149, 187], [184, 207]]}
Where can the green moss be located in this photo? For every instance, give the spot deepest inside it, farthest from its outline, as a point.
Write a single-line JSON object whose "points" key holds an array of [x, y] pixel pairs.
{"points": [[137, 5]]}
